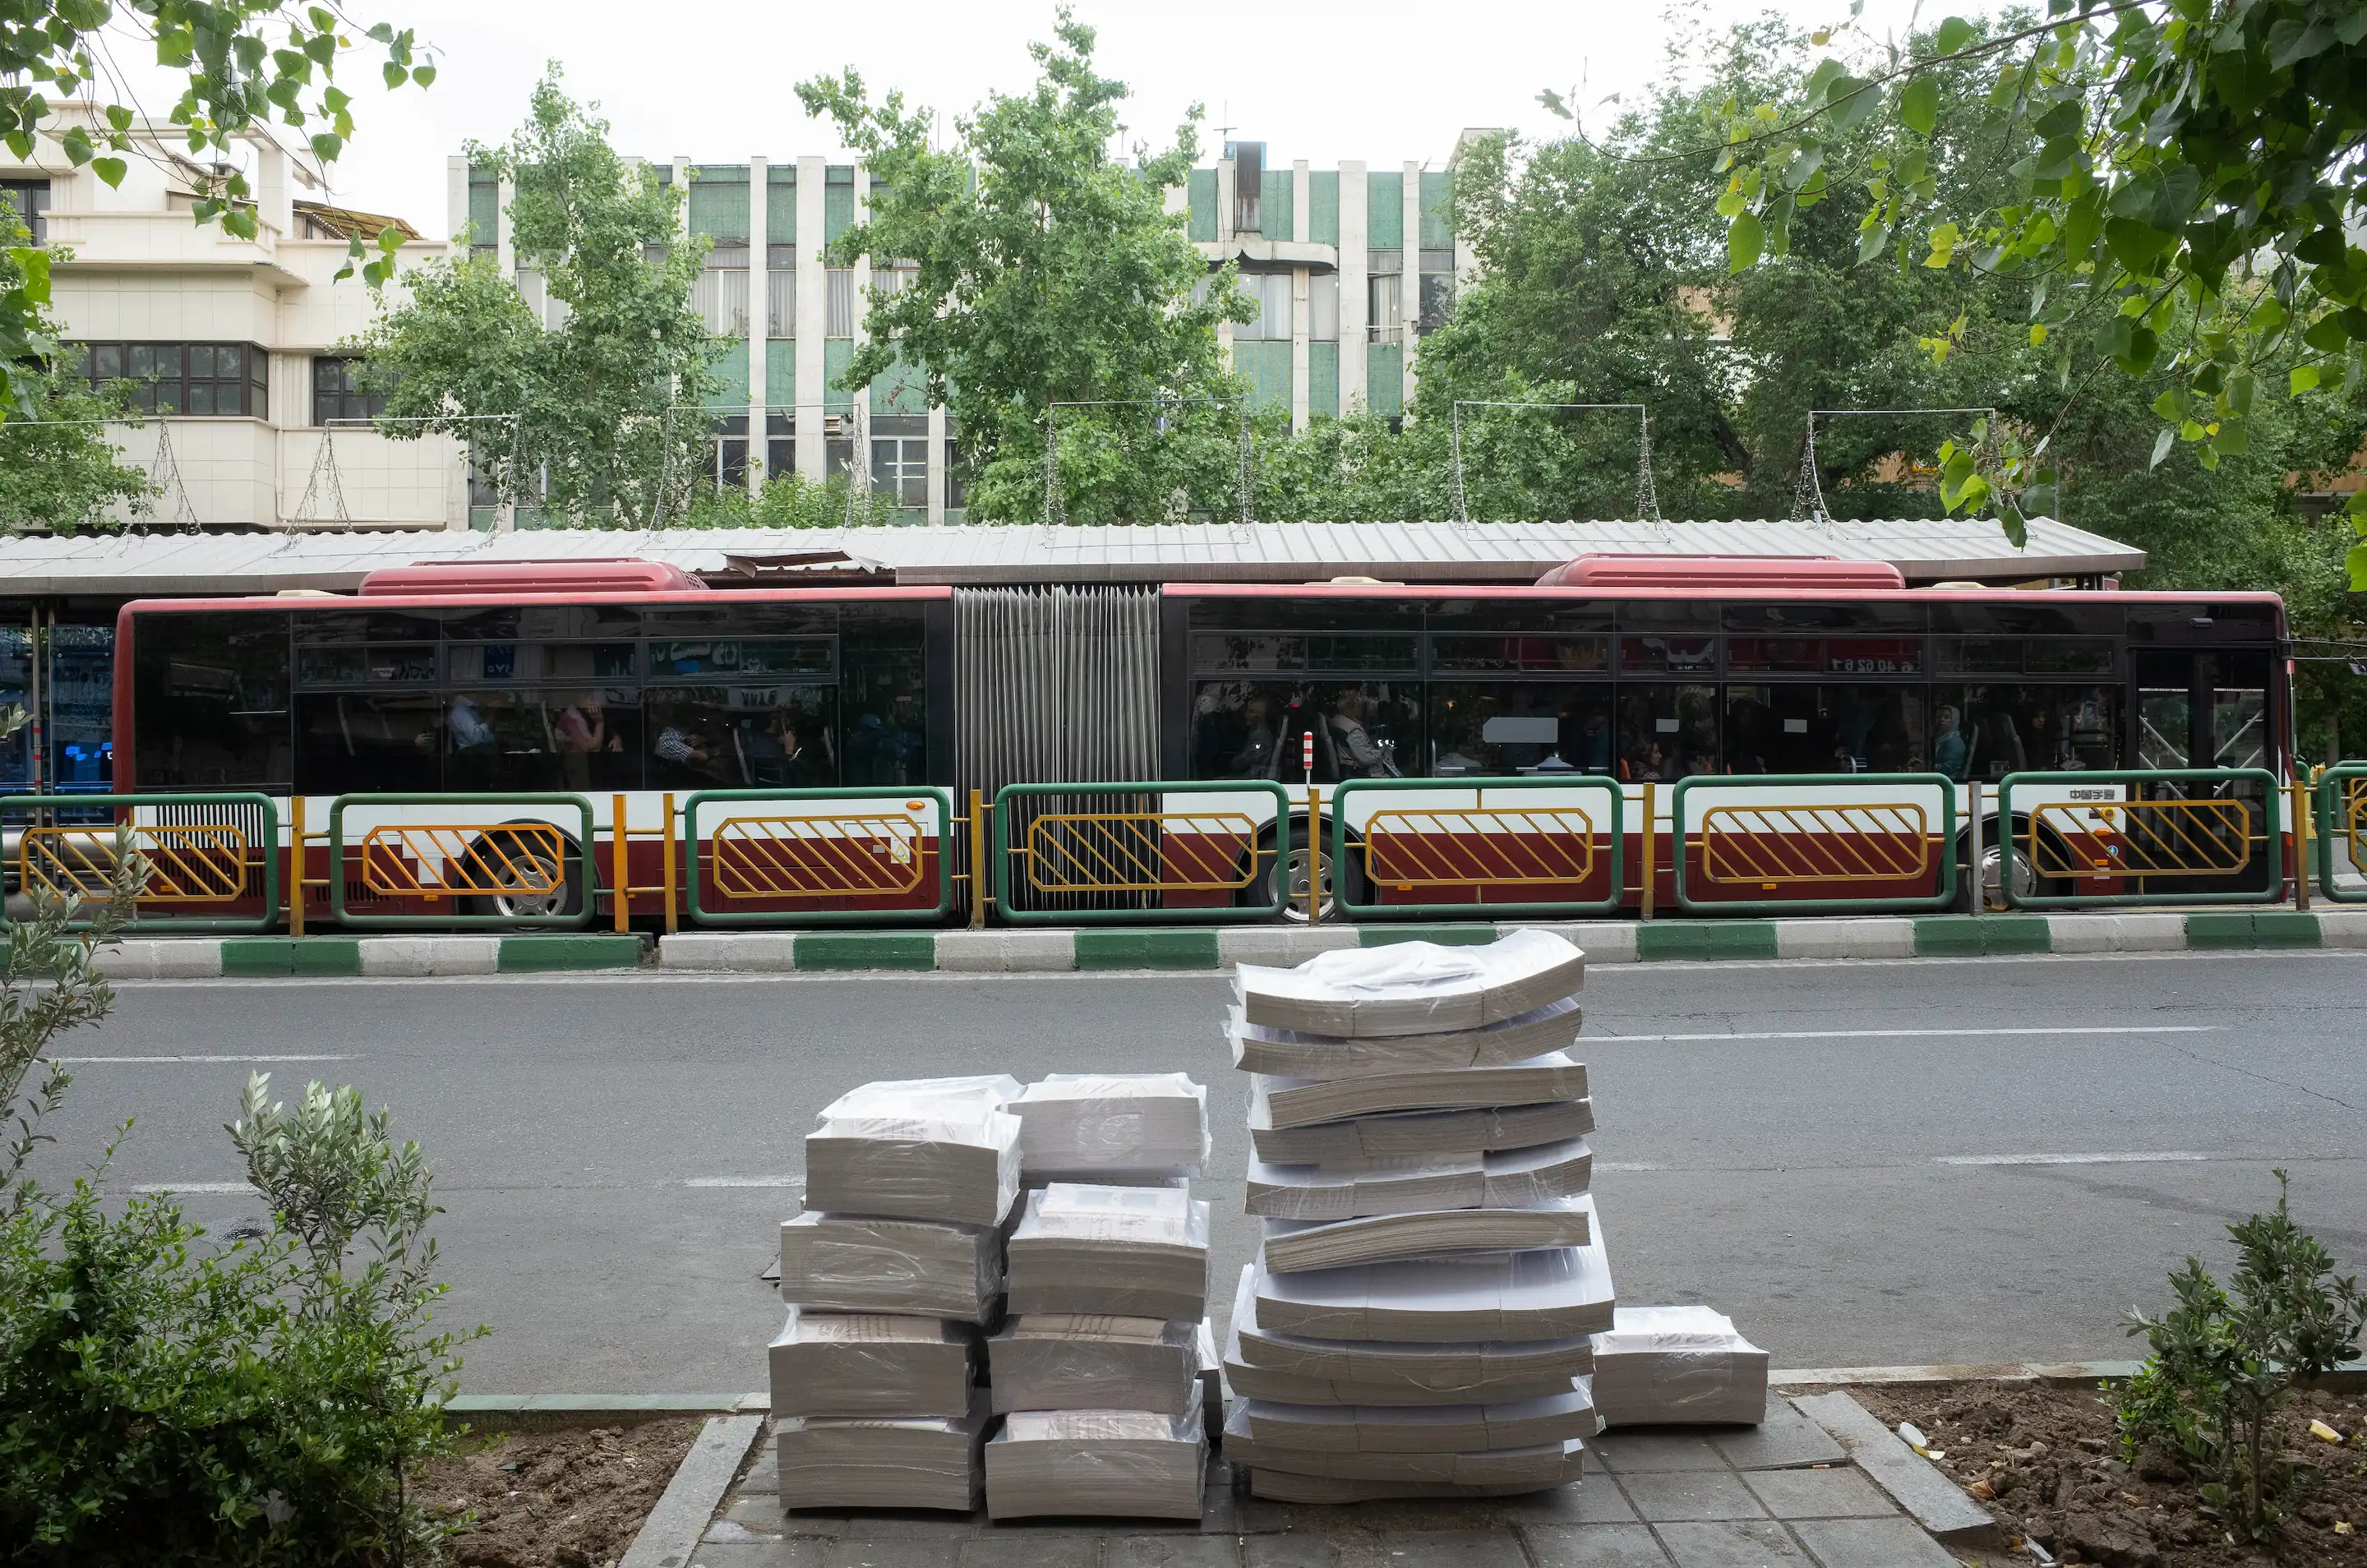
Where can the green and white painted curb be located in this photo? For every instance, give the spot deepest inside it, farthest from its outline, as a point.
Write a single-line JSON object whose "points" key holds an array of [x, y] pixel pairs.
{"points": [[1221, 947], [1605, 941]]}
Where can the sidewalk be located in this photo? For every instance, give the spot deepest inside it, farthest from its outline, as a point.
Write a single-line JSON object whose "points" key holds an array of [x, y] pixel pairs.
{"points": [[1050, 950]]}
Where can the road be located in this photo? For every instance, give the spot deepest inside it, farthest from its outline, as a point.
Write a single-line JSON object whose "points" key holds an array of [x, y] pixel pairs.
{"points": [[1866, 1163]]}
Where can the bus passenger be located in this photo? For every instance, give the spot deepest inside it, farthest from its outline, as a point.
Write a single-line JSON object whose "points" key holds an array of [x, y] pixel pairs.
{"points": [[1948, 749], [1255, 760], [1360, 755]]}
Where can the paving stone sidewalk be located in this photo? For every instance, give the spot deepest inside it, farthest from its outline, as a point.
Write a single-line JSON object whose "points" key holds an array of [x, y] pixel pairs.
{"points": [[1780, 1496]]}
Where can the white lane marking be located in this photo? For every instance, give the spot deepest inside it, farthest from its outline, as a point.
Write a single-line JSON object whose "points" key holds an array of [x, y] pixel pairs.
{"points": [[1626, 1164], [192, 1186], [1925, 1033], [85, 1061], [2151, 1157], [744, 1181]]}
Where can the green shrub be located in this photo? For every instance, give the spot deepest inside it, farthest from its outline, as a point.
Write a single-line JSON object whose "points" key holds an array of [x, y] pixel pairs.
{"points": [[2224, 1363]]}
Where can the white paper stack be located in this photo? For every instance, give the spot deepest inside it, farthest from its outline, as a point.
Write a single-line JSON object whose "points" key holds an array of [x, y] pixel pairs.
{"points": [[834, 1461], [1129, 1127], [827, 1363], [1432, 1266], [1132, 1251], [1121, 1463], [1678, 1365], [921, 1149], [1077, 1361], [909, 1267]]}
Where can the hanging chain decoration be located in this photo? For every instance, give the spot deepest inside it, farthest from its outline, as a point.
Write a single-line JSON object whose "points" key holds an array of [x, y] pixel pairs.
{"points": [[324, 468], [1247, 478], [858, 465], [1054, 513], [665, 468], [1647, 497], [1808, 496], [164, 473], [1454, 441], [1647, 500]]}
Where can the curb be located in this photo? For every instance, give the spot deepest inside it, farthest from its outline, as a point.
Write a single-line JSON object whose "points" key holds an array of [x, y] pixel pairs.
{"points": [[532, 1412], [680, 1518], [1211, 948]]}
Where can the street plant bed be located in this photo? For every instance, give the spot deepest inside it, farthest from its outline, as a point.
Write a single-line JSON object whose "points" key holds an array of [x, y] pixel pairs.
{"points": [[2048, 1463], [569, 1498]]}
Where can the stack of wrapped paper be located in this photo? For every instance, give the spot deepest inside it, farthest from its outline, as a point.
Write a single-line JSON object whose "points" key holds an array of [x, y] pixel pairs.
{"points": [[1432, 1266], [890, 1274], [1119, 1128], [1131, 1251], [1125, 1464], [1091, 1361], [1678, 1365]]}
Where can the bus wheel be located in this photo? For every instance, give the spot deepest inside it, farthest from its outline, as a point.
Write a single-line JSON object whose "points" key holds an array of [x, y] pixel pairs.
{"points": [[1288, 877], [545, 890], [2027, 883]]}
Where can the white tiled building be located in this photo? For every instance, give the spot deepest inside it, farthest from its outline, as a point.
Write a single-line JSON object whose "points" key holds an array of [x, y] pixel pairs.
{"points": [[234, 337]]}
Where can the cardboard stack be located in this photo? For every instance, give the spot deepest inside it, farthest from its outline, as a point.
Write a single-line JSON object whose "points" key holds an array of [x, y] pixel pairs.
{"points": [[1419, 1322], [890, 1274], [1105, 1370], [1678, 1365]]}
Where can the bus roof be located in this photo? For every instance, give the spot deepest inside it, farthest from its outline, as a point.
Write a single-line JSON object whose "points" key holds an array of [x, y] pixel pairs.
{"points": [[1924, 550]]}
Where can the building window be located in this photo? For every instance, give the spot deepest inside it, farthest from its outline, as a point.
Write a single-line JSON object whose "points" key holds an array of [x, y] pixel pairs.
{"points": [[839, 298], [484, 214], [337, 399], [1437, 301], [728, 453], [1271, 292], [957, 467], [780, 446], [535, 292], [1248, 187], [29, 200], [781, 303], [721, 298], [899, 469], [185, 377], [1384, 301], [1323, 307]]}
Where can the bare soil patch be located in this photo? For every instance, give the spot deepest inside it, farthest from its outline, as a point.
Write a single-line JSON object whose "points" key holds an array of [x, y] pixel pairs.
{"points": [[571, 1499], [2048, 1462]]}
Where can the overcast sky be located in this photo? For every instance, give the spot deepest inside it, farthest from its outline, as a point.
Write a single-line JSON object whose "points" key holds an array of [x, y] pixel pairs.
{"points": [[1323, 80]]}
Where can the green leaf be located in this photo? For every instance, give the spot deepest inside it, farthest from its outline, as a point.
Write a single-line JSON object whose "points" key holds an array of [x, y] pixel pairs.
{"points": [[2161, 446], [1852, 101], [2171, 405], [109, 169], [2290, 42], [2039, 499], [423, 75], [1955, 34], [1744, 240], [393, 73], [2232, 441], [2134, 244], [2326, 334], [327, 145], [2304, 378], [2356, 559], [1919, 103]]}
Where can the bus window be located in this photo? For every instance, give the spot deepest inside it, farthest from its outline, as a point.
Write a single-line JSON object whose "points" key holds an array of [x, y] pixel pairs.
{"points": [[1501, 728], [211, 701], [1666, 732], [2010, 730], [881, 685], [505, 741], [1824, 729], [1236, 730], [1363, 729], [15, 672], [358, 741]]}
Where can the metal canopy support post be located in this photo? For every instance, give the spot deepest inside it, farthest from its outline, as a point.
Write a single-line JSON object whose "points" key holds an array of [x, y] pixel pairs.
{"points": [[1647, 498], [1809, 498]]}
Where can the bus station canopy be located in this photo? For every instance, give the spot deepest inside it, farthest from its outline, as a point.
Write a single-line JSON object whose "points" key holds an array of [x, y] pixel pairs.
{"points": [[1925, 550]]}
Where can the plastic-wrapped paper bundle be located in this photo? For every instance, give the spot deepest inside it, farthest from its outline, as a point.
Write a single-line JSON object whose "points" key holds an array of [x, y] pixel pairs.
{"points": [[908, 1268], [1120, 1463], [833, 1462], [827, 1363], [1678, 1365], [1131, 1251], [923, 1148], [1077, 1361], [1432, 1266], [1099, 1126]]}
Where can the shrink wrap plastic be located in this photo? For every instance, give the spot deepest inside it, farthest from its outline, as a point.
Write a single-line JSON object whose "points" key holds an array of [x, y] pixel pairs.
{"points": [[1412, 988], [1354, 1145], [870, 1364], [922, 1148], [1404, 1184], [1679, 1365], [1281, 1102], [1288, 1053], [1442, 1428], [1137, 1125], [1115, 1463], [908, 1268], [1532, 1468], [1131, 1251], [882, 1462], [1080, 1361], [1299, 1246], [1506, 1295]]}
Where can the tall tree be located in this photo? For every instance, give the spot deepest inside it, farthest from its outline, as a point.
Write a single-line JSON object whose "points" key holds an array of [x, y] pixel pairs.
{"points": [[59, 472], [242, 64], [598, 419], [1053, 286]]}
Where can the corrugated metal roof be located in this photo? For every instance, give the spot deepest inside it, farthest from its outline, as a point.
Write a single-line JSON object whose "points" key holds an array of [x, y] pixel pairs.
{"points": [[1924, 550]]}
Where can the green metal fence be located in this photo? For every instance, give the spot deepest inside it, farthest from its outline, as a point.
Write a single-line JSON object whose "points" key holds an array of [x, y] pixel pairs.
{"points": [[756, 859], [1145, 850], [1866, 831], [2072, 828], [214, 856], [1445, 836], [479, 861], [2341, 810]]}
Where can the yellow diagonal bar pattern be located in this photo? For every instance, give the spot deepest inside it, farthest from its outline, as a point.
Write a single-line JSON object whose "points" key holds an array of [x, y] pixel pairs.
{"points": [[1469, 846], [1139, 852], [2141, 838], [188, 864], [818, 856], [1773, 845], [525, 859]]}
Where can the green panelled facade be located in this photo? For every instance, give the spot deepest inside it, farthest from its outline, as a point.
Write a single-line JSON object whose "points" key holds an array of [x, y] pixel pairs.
{"points": [[1274, 204], [730, 368], [485, 208], [903, 390], [1385, 212], [780, 374], [718, 202], [1202, 192], [1385, 377], [1265, 365], [837, 201], [1323, 207], [1437, 210], [837, 354], [781, 205], [1322, 380]]}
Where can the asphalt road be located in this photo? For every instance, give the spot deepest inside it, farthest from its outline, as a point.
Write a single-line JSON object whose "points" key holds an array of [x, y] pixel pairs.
{"points": [[1866, 1163]]}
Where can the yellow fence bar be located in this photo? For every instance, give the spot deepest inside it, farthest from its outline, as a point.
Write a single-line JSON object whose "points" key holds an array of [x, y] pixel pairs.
{"points": [[2140, 838], [1455, 846], [189, 863], [980, 884], [1139, 852], [830, 855], [1769, 847], [438, 860]]}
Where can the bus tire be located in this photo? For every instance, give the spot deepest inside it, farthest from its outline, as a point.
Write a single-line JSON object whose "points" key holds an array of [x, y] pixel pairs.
{"points": [[2026, 883], [1259, 890], [569, 898]]}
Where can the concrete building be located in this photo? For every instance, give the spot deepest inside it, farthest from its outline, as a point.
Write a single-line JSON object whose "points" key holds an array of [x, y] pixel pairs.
{"points": [[233, 340], [1351, 266]]}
